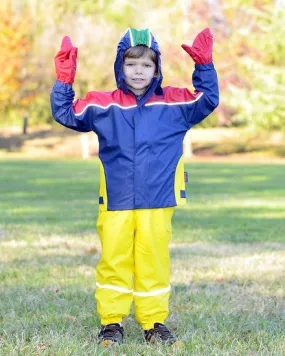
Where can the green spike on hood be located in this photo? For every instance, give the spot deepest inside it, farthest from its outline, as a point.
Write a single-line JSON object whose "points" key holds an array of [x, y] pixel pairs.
{"points": [[132, 38], [140, 37]]}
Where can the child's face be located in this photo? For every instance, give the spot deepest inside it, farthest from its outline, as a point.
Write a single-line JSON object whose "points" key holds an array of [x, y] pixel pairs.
{"points": [[139, 73]]}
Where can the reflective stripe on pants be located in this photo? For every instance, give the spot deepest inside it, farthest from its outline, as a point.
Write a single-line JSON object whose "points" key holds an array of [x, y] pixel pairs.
{"points": [[134, 265]]}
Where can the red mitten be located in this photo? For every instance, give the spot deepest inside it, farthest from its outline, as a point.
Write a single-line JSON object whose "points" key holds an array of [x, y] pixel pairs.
{"points": [[202, 47], [65, 61]]}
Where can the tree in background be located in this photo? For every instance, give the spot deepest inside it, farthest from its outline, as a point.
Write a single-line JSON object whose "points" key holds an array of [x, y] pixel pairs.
{"points": [[254, 87], [15, 47], [248, 50]]}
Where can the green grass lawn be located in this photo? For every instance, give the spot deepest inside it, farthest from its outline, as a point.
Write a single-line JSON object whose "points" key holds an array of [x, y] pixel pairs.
{"points": [[228, 261]]}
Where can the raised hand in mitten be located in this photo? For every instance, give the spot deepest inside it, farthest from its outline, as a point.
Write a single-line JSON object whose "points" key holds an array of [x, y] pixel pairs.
{"points": [[202, 47], [65, 61]]}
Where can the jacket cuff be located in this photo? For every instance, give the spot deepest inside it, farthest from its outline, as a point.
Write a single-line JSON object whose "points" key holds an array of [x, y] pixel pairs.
{"points": [[208, 66], [63, 87]]}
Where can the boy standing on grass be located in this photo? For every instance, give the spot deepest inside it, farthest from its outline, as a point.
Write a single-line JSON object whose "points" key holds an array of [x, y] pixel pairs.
{"points": [[140, 127]]}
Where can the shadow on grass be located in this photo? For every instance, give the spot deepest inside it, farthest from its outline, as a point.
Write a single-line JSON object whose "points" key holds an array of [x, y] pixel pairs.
{"points": [[50, 294], [209, 314], [75, 266], [236, 147], [223, 309], [227, 202], [14, 142]]}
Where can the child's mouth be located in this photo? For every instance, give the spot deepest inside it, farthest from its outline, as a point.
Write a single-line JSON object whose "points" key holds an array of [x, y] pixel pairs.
{"points": [[138, 80]]}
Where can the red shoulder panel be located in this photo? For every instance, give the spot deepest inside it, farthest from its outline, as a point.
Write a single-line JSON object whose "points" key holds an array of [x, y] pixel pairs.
{"points": [[104, 100], [175, 95]]}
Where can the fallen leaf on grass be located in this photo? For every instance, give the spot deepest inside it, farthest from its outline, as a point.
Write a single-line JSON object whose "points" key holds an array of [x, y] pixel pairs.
{"points": [[91, 250], [51, 289], [69, 317], [67, 244], [40, 347]]}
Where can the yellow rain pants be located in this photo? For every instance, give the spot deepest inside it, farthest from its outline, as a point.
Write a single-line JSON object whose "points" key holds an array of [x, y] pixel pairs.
{"points": [[134, 265]]}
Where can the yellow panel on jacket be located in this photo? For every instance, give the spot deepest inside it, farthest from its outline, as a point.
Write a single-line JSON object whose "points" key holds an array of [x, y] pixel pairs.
{"points": [[180, 192], [103, 198]]}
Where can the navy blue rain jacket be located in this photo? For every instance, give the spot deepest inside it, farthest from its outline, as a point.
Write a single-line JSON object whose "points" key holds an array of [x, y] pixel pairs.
{"points": [[140, 141]]}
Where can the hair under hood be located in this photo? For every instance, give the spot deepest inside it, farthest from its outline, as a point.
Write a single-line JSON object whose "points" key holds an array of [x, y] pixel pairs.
{"points": [[131, 39]]}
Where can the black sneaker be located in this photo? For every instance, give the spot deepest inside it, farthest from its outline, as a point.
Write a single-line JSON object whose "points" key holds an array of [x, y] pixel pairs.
{"points": [[160, 334], [111, 334]]}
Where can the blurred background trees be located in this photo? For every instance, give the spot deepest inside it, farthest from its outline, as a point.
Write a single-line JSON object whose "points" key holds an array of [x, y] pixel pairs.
{"points": [[249, 52]]}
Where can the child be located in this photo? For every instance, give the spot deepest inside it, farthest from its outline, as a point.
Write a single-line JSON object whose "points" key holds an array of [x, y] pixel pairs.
{"points": [[140, 127]]}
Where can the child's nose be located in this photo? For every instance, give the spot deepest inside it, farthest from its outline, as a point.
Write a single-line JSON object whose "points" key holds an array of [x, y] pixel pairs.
{"points": [[138, 69]]}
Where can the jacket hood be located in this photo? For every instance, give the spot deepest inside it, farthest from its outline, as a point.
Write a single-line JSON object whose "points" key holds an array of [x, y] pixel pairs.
{"points": [[134, 38]]}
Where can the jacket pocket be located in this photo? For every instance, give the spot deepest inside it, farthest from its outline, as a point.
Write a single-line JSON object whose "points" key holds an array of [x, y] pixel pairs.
{"points": [[179, 188], [103, 198]]}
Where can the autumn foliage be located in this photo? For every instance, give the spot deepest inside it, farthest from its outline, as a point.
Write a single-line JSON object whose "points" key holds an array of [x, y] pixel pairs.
{"points": [[15, 45], [249, 51]]}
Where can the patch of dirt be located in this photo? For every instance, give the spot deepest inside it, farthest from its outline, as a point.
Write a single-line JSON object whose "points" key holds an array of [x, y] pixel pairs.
{"points": [[217, 145], [46, 143]]}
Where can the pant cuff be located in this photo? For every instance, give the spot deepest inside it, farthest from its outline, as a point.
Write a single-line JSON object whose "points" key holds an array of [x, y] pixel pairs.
{"points": [[113, 320], [150, 323]]}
